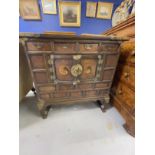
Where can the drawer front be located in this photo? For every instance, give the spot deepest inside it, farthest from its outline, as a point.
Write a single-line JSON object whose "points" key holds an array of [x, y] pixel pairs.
{"points": [[60, 95], [41, 77], [37, 61], [38, 46], [128, 75], [102, 85], [61, 47], [107, 47], [89, 47], [126, 96], [108, 74], [46, 89], [111, 60]]}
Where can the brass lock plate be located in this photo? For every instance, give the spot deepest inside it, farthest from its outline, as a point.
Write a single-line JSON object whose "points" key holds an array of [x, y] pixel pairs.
{"points": [[76, 70]]}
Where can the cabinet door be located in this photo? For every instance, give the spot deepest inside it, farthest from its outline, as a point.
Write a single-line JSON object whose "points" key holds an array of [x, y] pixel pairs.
{"points": [[75, 68]]}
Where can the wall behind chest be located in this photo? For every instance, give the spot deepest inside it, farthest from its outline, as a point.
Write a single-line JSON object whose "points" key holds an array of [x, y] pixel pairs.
{"points": [[51, 22]]}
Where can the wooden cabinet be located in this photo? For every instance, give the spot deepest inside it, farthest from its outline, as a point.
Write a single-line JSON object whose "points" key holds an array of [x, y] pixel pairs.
{"points": [[123, 88], [71, 69]]}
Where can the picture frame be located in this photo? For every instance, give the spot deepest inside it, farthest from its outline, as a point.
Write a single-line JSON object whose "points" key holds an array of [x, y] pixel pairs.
{"points": [[70, 13], [29, 9], [104, 10], [49, 6], [91, 9]]}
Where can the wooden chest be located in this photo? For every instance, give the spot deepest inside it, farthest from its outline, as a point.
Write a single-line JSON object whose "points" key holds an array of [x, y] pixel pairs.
{"points": [[68, 69], [123, 88]]}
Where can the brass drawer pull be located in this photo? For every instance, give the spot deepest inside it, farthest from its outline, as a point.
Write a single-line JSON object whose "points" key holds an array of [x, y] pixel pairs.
{"points": [[64, 47], [88, 47], [39, 46], [126, 74], [120, 92]]}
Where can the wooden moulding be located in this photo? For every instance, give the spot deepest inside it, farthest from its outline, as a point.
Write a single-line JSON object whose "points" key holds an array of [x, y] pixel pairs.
{"points": [[125, 28]]}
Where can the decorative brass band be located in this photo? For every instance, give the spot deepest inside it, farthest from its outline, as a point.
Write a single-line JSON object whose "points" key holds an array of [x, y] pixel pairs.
{"points": [[99, 66], [52, 70]]}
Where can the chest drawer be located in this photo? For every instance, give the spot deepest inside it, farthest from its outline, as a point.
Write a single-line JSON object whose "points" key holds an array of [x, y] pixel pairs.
{"points": [[38, 46], [109, 47], [62, 47], [126, 96], [46, 89], [88, 47], [128, 75]]}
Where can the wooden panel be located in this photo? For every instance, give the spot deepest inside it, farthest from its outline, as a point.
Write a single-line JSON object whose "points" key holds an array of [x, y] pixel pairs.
{"points": [[39, 46], [126, 96], [128, 76], [37, 61], [108, 74], [101, 85], [47, 89], [85, 86], [109, 47], [45, 96], [65, 87], [89, 68], [64, 47], [63, 68], [41, 77], [116, 103], [111, 60], [89, 47], [91, 93], [76, 94], [60, 95]]}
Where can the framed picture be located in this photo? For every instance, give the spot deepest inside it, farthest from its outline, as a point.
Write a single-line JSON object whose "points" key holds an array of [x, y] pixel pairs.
{"points": [[29, 9], [91, 9], [104, 10], [70, 13], [49, 6]]}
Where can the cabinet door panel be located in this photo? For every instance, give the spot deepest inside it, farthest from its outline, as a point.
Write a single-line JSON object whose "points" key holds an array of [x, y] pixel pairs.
{"points": [[41, 77], [111, 60], [37, 61], [89, 68]]}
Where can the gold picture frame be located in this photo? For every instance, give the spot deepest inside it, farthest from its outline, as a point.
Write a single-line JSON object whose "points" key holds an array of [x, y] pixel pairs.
{"points": [[49, 6], [91, 9], [104, 10], [29, 9], [70, 13]]}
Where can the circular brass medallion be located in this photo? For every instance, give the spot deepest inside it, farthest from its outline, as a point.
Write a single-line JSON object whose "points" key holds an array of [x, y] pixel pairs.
{"points": [[76, 70]]}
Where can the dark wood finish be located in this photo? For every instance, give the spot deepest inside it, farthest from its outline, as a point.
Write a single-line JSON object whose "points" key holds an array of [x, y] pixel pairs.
{"points": [[123, 88], [70, 69]]}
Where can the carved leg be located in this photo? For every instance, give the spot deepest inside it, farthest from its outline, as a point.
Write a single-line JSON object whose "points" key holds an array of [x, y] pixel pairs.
{"points": [[43, 108], [104, 105], [34, 90], [44, 112]]}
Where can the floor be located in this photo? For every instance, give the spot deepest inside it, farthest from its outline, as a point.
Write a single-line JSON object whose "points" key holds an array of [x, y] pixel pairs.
{"points": [[81, 129]]}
